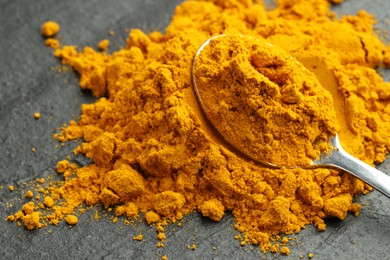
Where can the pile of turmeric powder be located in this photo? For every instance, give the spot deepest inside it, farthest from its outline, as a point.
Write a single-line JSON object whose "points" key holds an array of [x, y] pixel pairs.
{"points": [[263, 101], [154, 153]]}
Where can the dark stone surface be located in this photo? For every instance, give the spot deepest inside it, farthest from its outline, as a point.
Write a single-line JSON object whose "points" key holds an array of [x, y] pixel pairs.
{"points": [[28, 84]]}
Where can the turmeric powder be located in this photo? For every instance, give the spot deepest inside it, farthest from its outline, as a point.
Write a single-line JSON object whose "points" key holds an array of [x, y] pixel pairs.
{"points": [[50, 28], [71, 220], [154, 152], [103, 45], [37, 115], [263, 101], [31, 220]]}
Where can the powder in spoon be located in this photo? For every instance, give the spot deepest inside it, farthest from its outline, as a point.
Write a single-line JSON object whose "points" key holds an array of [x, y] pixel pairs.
{"points": [[155, 156], [263, 101]]}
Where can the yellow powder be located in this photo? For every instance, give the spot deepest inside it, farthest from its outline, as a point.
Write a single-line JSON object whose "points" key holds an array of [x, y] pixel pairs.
{"points": [[154, 153], [335, 206], [10, 218], [274, 248], [71, 220], [29, 194], [263, 102], [130, 210], [28, 208], [152, 217], [125, 182], [119, 211], [103, 45], [285, 251], [31, 220], [62, 166], [50, 28], [161, 236], [108, 198], [160, 228], [167, 202], [138, 237], [52, 43], [18, 215], [213, 209], [48, 201], [37, 115]]}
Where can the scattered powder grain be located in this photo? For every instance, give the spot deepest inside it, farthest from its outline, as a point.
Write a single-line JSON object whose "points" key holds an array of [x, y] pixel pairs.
{"points": [[48, 201], [285, 250], [103, 45], [29, 194], [71, 219], [161, 236], [50, 28], [37, 115], [138, 237], [52, 43]]}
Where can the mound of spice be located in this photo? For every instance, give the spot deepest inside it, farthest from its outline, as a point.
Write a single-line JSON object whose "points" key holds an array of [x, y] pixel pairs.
{"points": [[263, 101], [153, 152]]}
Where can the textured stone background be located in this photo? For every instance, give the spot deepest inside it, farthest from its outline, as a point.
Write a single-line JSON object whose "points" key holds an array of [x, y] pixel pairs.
{"points": [[28, 84]]}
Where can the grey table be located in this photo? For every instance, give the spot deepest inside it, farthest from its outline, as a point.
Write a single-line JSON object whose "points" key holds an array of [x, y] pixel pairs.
{"points": [[28, 84]]}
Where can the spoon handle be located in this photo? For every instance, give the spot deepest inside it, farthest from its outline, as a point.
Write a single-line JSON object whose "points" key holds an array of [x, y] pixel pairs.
{"points": [[343, 160]]}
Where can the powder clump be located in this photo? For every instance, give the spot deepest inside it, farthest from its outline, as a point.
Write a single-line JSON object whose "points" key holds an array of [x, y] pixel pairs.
{"points": [[28, 208], [62, 166], [71, 220], [152, 217], [31, 220], [103, 45], [130, 210], [213, 209], [126, 182], [335, 207], [50, 28], [167, 202], [48, 201], [29, 194]]}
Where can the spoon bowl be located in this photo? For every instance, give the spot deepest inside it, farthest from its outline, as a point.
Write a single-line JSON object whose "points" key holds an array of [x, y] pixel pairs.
{"points": [[337, 157]]}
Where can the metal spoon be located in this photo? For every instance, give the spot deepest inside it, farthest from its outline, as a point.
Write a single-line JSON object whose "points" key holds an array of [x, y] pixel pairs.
{"points": [[337, 158]]}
